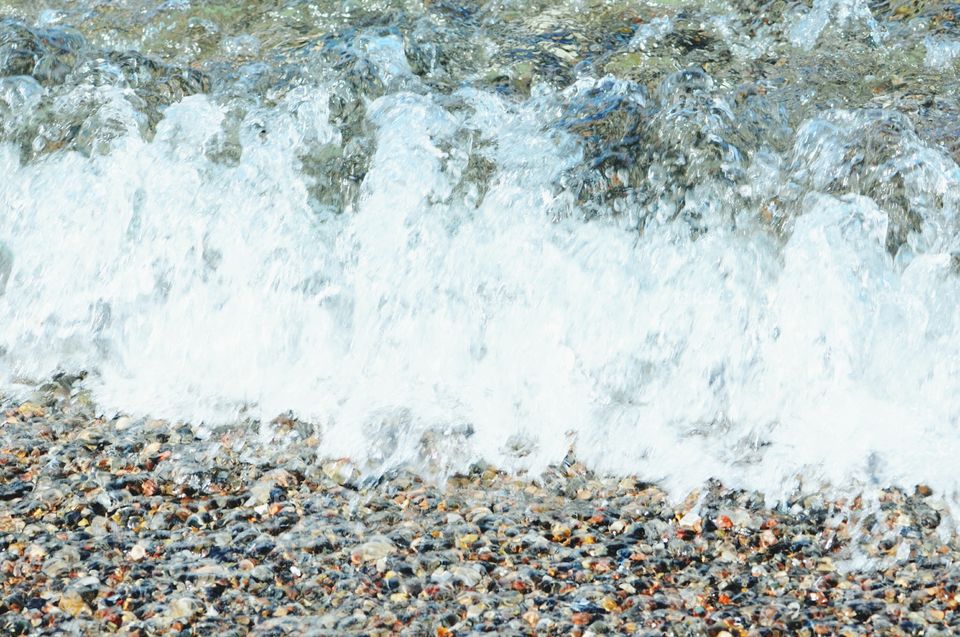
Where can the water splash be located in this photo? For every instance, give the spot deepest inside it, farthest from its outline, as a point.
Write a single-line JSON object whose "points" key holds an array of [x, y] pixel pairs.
{"points": [[840, 14], [683, 280], [941, 52]]}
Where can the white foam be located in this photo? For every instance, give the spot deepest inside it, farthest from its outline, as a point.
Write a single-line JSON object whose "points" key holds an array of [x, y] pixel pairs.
{"points": [[841, 14], [200, 290], [941, 52]]}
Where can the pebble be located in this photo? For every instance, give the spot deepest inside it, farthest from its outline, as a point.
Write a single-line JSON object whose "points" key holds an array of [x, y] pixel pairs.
{"points": [[484, 552], [374, 549], [72, 603], [183, 607]]}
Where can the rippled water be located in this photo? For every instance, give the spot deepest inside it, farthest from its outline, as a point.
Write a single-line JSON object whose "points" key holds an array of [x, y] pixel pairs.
{"points": [[691, 240]]}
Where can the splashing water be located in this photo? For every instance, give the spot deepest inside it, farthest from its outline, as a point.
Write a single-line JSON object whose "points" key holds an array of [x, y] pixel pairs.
{"points": [[941, 53], [700, 280], [842, 14]]}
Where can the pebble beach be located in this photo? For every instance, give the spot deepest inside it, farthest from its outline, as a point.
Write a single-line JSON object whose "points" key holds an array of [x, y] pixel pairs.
{"points": [[582, 317], [107, 526]]}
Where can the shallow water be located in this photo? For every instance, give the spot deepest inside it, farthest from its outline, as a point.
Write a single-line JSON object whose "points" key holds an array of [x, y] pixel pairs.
{"points": [[691, 240]]}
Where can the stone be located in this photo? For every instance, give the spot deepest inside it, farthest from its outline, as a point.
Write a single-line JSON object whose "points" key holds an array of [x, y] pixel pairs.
{"points": [[183, 607], [374, 549], [72, 603]]}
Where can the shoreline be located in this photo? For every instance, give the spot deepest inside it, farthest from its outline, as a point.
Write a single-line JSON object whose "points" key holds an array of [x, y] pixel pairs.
{"points": [[142, 531]]}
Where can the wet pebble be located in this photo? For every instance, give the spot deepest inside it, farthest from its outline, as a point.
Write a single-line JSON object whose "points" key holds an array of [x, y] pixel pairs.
{"points": [[128, 547]]}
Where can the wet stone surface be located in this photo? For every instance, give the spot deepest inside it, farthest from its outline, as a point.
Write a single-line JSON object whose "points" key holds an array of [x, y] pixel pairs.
{"points": [[112, 525], [48, 67], [674, 102]]}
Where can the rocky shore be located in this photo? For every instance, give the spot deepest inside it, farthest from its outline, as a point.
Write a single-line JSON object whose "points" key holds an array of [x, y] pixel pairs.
{"points": [[145, 527]]}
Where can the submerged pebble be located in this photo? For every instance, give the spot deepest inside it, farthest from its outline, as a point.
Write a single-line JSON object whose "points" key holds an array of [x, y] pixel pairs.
{"points": [[483, 552]]}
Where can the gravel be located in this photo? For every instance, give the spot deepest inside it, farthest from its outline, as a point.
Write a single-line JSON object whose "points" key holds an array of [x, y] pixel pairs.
{"points": [[145, 527]]}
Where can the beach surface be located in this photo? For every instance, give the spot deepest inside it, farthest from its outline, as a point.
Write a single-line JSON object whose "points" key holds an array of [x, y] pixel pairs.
{"points": [[146, 527]]}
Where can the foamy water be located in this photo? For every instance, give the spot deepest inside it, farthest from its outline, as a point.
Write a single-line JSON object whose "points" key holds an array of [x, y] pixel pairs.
{"points": [[768, 350]]}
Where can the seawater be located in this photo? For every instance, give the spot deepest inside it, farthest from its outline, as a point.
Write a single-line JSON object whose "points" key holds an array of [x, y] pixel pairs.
{"points": [[788, 315]]}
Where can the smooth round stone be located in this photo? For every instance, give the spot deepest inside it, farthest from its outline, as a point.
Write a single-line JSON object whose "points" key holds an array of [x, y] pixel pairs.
{"points": [[374, 549], [183, 607]]}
